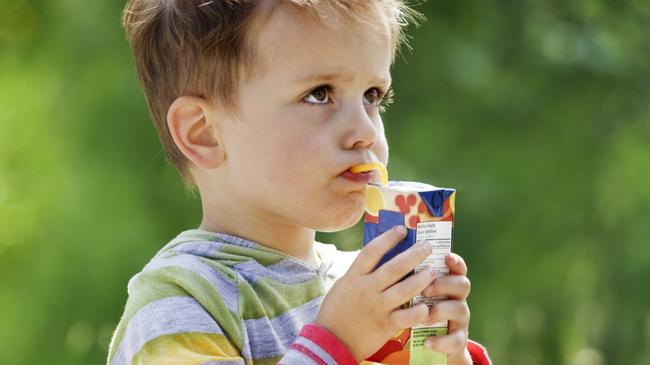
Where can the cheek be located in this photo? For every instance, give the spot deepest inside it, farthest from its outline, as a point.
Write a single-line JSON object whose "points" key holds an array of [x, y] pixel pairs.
{"points": [[300, 147], [292, 158], [381, 148]]}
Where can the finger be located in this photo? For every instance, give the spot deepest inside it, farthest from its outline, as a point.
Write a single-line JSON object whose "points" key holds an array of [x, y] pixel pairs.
{"points": [[455, 311], [370, 255], [456, 264], [401, 265], [454, 342], [403, 291], [409, 317], [452, 287]]}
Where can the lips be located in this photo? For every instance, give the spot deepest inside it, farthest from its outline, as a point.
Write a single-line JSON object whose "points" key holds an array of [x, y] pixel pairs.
{"points": [[360, 178]]}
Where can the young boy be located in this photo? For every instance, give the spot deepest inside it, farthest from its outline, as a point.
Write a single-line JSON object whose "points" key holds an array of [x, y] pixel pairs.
{"points": [[265, 106]]}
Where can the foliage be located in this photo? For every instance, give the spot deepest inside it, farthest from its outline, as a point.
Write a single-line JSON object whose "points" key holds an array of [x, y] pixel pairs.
{"points": [[536, 111]]}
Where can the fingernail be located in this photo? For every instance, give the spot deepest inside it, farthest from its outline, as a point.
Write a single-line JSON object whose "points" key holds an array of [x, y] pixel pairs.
{"points": [[400, 229], [432, 271], [428, 247], [427, 291], [428, 343]]}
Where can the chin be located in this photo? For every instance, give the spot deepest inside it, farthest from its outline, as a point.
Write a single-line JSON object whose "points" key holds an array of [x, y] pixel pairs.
{"points": [[342, 221]]}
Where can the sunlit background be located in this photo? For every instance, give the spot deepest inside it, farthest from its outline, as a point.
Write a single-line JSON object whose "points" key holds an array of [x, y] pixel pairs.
{"points": [[538, 112]]}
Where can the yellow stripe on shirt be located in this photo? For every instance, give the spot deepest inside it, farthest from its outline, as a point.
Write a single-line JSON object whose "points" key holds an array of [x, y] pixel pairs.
{"points": [[187, 349]]}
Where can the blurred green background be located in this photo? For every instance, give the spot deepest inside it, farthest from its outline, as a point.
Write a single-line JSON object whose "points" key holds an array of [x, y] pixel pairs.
{"points": [[538, 112]]}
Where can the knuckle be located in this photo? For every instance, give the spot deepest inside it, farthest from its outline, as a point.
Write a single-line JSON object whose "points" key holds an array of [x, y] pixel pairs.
{"points": [[468, 312], [392, 297], [461, 340], [422, 313], [464, 336], [391, 323], [404, 288], [371, 250], [467, 284], [465, 311], [455, 344], [393, 270]]}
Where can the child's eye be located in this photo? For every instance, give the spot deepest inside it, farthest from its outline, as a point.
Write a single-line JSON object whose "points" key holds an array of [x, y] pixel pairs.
{"points": [[378, 97], [320, 95], [372, 96]]}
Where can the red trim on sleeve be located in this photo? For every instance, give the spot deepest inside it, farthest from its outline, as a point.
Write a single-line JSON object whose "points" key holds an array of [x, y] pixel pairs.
{"points": [[328, 342], [478, 353], [308, 352]]}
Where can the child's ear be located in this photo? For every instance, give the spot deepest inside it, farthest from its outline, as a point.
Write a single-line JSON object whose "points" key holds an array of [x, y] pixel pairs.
{"points": [[191, 123]]}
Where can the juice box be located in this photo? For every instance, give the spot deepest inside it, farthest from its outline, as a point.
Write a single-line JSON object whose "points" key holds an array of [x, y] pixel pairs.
{"points": [[428, 214]]}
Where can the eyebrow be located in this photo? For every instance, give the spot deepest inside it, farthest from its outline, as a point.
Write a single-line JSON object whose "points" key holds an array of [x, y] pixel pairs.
{"points": [[337, 76]]}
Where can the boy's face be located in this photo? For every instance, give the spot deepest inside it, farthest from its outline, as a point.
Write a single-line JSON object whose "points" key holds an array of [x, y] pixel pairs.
{"points": [[307, 114]]}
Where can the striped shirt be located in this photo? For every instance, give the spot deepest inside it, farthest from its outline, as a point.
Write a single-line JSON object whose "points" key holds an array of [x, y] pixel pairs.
{"points": [[210, 298]]}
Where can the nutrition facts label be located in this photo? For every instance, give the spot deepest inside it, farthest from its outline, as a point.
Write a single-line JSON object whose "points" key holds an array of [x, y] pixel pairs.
{"points": [[438, 235]]}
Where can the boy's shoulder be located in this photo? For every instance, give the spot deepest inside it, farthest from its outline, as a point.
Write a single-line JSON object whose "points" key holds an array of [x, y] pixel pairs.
{"points": [[176, 296]]}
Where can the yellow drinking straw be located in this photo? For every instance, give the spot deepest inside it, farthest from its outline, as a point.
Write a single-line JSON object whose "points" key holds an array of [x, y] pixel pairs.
{"points": [[383, 174]]}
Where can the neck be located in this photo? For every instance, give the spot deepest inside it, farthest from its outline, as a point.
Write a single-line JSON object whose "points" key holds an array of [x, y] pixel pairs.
{"points": [[292, 240]]}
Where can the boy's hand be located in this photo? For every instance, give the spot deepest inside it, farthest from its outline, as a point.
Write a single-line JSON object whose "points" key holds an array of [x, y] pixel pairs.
{"points": [[362, 308], [456, 287]]}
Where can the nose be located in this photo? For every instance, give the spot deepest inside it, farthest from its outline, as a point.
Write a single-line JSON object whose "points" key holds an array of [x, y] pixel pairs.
{"points": [[362, 129]]}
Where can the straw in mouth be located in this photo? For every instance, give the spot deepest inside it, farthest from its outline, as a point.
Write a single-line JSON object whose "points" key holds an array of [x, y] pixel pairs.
{"points": [[383, 174]]}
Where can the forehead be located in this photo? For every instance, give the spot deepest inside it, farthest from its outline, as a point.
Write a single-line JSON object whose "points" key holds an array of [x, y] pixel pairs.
{"points": [[290, 41]]}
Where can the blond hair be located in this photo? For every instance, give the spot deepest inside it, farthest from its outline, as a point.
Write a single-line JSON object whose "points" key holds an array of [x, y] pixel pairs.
{"points": [[200, 48]]}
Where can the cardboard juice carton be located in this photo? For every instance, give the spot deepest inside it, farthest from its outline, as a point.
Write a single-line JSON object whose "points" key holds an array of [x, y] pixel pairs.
{"points": [[428, 214]]}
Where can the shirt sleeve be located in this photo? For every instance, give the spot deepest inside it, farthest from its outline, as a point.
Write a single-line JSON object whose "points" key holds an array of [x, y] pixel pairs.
{"points": [[314, 346], [317, 346], [173, 331], [188, 349], [479, 353]]}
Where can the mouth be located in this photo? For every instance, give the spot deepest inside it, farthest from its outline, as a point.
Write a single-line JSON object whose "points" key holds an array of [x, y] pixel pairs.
{"points": [[359, 177], [367, 172]]}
